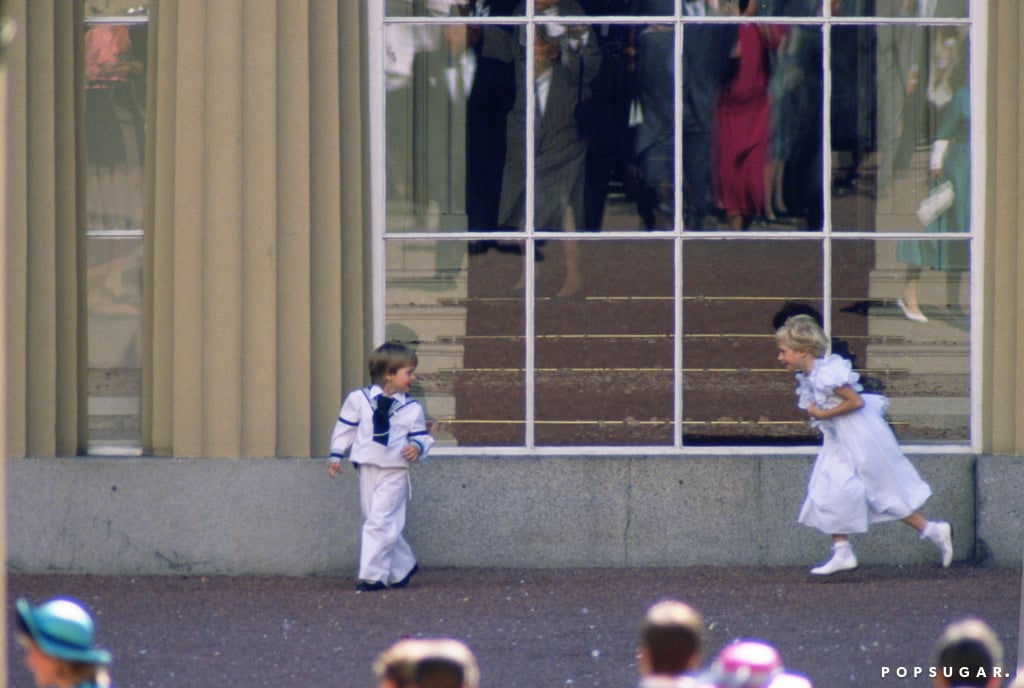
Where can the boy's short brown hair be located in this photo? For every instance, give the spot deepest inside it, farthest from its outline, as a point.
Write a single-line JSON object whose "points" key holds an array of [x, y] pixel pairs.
{"points": [[388, 359]]}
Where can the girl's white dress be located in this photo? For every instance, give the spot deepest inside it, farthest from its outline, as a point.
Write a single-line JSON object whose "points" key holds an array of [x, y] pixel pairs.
{"points": [[860, 476]]}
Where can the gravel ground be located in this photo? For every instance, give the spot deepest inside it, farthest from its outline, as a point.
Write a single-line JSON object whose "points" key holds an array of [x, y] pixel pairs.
{"points": [[529, 628]]}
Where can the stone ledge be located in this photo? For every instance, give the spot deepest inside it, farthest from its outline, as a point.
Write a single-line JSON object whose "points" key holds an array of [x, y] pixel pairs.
{"points": [[285, 517]]}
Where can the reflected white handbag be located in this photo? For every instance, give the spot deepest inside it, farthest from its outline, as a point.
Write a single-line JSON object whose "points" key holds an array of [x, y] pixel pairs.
{"points": [[938, 201], [636, 113]]}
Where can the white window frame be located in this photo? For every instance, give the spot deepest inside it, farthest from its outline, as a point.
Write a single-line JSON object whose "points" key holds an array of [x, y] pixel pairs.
{"points": [[978, 24]]}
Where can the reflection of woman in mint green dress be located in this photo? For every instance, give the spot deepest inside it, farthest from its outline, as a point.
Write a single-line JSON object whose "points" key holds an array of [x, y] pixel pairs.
{"points": [[950, 158]]}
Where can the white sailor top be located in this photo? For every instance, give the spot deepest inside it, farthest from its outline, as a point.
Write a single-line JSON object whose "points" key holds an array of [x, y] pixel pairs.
{"points": [[354, 429]]}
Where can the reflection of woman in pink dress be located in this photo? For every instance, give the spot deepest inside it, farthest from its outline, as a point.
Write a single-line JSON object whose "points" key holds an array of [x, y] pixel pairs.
{"points": [[742, 124]]}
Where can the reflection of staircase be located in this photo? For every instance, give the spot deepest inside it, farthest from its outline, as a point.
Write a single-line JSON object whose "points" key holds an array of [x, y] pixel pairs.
{"points": [[114, 412], [604, 364], [425, 304], [926, 365]]}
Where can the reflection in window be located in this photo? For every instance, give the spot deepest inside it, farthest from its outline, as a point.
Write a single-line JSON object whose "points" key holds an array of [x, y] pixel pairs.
{"points": [[609, 213], [115, 97]]}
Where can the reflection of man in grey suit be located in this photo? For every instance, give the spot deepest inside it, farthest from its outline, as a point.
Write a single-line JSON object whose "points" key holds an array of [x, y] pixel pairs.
{"points": [[559, 150]]}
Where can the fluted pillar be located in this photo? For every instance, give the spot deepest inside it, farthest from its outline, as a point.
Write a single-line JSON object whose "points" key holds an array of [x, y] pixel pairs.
{"points": [[254, 218], [1003, 378], [45, 269]]}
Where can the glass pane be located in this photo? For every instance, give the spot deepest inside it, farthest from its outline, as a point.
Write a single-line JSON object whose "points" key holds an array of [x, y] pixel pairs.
{"points": [[611, 185], [467, 326], [940, 9], [653, 125], [923, 135], [852, 107], [734, 391], [905, 319], [793, 183], [580, 114], [765, 124], [652, 8], [789, 8], [448, 90], [604, 353], [115, 98], [562, 72], [452, 8], [115, 357], [115, 101]]}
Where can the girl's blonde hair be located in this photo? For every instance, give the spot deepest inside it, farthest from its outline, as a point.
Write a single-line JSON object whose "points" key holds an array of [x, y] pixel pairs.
{"points": [[802, 333]]}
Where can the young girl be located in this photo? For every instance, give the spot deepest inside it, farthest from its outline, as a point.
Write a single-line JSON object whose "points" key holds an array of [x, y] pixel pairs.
{"points": [[860, 476]]}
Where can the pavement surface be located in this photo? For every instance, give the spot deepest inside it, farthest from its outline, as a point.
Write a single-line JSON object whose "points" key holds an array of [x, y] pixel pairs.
{"points": [[528, 628]]}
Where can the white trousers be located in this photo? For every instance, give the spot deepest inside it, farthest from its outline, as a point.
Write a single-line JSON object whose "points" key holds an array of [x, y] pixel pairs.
{"points": [[384, 554]]}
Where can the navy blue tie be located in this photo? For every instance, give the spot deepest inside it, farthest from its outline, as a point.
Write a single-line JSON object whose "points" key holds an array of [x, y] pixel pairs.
{"points": [[382, 419]]}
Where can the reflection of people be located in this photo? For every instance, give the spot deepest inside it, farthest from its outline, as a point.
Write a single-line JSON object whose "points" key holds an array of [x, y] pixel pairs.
{"points": [[490, 89], [968, 653], [57, 637], [490, 98], [385, 429], [853, 92], [950, 159], [608, 141], [113, 128], [860, 476], [671, 644], [742, 121], [427, 663], [898, 75], [559, 150], [706, 65], [653, 143]]}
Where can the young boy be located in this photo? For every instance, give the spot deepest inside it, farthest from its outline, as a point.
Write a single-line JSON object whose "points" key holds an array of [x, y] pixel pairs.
{"points": [[385, 430]]}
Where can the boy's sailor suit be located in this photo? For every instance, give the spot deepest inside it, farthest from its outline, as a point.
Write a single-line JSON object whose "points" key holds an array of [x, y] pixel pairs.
{"points": [[383, 474]]}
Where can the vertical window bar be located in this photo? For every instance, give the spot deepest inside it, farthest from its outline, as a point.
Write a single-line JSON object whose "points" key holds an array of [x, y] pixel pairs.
{"points": [[378, 148], [677, 242], [978, 93], [826, 170], [529, 252]]}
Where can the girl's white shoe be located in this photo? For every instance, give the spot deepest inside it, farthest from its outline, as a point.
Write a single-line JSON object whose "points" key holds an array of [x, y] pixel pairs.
{"points": [[943, 539], [843, 559]]}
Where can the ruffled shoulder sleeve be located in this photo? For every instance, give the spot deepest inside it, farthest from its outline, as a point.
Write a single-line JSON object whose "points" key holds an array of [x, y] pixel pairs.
{"points": [[828, 374], [834, 371]]}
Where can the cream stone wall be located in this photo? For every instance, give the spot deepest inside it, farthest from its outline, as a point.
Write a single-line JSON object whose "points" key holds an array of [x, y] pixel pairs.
{"points": [[1003, 374]]}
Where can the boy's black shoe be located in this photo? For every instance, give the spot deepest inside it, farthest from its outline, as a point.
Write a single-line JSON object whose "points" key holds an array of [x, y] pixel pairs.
{"points": [[370, 586], [408, 577]]}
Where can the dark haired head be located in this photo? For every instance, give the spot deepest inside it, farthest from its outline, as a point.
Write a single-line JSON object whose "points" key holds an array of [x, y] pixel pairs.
{"points": [[967, 653], [672, 638], [388, 359], [791, 308]]}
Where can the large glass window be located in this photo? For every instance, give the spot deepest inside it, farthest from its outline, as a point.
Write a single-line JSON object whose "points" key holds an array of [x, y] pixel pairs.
{"points": [[115, 115], [590, 213]]}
